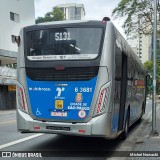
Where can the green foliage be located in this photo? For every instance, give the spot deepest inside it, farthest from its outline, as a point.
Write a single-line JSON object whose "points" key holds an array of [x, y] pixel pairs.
{"points": [[55, 15], [138, 15], [58, 14], [158, 51], [149, 66]]}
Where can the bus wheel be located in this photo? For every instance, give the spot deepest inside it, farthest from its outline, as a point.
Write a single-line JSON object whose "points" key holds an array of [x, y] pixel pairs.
{"points": [[126, 128]]}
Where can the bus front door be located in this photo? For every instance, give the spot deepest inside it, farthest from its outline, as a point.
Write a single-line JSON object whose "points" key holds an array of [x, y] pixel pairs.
{"points": [[123, 92]]}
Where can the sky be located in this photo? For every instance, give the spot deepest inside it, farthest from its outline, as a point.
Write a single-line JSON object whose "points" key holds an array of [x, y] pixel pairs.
{"points": [[95, 9]]}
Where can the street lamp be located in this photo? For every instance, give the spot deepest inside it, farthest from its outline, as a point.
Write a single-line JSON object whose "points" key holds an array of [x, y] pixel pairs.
{"points": [[154, 132]]}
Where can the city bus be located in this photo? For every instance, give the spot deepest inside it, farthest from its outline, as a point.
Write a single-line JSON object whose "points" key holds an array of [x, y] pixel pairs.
{"points": [[78, 78]]}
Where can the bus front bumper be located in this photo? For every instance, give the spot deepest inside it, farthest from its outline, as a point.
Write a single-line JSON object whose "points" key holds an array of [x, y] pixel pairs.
{"points": [[97, 126]]}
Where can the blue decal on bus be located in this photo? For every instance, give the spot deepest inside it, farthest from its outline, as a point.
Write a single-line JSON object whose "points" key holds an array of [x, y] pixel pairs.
{"points": [[61, 100], [115, 123]]}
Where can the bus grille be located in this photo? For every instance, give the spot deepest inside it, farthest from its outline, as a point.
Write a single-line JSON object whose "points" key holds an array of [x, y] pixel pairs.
{"points": [[68, 74]]}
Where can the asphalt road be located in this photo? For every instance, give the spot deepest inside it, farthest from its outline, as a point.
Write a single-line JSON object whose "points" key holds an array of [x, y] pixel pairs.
{"points": [[61, 147]]}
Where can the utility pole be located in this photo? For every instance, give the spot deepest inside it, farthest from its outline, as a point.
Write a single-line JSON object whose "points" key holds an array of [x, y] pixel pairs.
{"points": [[154, 132]]}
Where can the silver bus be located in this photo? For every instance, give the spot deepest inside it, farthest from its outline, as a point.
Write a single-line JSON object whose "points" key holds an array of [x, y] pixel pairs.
{"points": [[78, 78]]}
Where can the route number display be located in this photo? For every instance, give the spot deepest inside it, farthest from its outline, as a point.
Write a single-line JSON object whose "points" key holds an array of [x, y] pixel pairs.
{"points": [[62, 36]]}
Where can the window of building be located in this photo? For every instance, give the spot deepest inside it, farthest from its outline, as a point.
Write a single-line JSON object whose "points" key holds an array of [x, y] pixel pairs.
{"points": [[78, 11], [13, 38], [14, 17]]}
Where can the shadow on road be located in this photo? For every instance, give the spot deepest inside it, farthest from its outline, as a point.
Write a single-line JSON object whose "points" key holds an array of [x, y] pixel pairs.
{"points": [[61, 145]]}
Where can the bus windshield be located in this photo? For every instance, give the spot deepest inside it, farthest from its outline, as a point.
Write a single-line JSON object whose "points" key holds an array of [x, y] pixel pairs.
{"points": [[63, 43]]}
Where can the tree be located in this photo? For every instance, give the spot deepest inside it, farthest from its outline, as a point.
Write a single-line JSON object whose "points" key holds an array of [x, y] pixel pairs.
{"points": [[55, 15], [138, 15], [149, 66]]}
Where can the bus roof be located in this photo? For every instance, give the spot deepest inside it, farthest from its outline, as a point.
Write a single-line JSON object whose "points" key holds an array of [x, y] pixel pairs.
{"points": [[64, 22], [67, 22]]}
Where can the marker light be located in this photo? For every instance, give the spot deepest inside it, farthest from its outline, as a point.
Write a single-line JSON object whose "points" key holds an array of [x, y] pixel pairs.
{"points": [[59, 68], [103, 99], [105, 19], [36, 127], [81, 131], [22, 99]]}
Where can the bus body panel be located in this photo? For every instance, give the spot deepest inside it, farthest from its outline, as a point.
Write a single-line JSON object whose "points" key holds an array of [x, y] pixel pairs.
{"points": [[101, 120], [61, 101], [108, 60], [135, 71], [92, 128]]}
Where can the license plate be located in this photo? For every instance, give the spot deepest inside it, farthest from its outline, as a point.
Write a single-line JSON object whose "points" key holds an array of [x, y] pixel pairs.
{"points": [[58, 128], [59, 104], [59, 114]]}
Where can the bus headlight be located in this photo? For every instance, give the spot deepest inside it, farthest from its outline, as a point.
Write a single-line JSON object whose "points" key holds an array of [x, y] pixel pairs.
{"points": [[103, 99], [21, 99]]}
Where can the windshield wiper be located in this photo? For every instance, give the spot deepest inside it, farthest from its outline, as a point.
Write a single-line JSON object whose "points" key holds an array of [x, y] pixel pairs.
{"points": [[78, 49]]}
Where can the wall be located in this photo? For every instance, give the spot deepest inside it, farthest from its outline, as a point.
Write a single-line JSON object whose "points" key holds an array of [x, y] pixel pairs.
{"points": [[7, 98], [8, 49], [25, 9], [145, 48]]}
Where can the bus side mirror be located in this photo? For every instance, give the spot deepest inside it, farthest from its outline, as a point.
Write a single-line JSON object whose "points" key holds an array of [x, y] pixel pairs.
{"points": [[17, 40]]}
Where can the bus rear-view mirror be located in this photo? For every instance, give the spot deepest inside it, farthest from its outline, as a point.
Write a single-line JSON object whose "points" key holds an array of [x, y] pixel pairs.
{"points": [[17, 40]]}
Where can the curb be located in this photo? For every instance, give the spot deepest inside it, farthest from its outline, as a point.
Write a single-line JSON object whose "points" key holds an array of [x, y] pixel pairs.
{"points": [[135, 137]]}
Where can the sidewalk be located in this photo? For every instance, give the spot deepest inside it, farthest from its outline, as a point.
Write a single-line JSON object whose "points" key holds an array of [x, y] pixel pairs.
{"points": [[6, 112], [147, 142]]}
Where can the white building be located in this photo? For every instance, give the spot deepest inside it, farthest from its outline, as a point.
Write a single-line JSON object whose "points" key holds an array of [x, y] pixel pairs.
{"points": [[134, 43], [14, 14], [134, 49], [72, 11], [142, 43], [146, 48]]}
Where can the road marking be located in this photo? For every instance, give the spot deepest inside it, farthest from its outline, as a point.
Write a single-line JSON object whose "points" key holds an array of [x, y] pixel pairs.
{"points": [[12, 121], [19, 141]]}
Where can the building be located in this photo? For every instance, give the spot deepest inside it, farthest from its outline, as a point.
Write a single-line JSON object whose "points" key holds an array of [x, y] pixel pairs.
{"points": [[72, 11], [14, 14], [146, 48], [144, 43], [142, 46], [134, 49], [133, 42]]}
